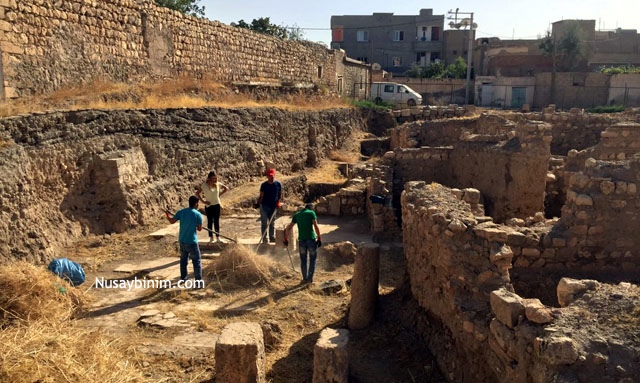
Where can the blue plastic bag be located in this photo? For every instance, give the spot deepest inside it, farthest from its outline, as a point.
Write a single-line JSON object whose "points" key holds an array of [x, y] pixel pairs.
{"points": [[68, 270]]}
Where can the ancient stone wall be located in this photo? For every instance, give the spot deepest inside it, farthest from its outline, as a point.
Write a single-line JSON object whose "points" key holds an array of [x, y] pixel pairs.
{"points": [[602, 213], [575, 130], [462, 272], [47, 45], [71, 173], [513, 185]]}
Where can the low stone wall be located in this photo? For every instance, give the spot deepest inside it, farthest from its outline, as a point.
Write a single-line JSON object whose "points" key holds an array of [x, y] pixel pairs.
{"points": [[349, 200], [600, 212], [514, 184], [67, 174], [574, 130]]}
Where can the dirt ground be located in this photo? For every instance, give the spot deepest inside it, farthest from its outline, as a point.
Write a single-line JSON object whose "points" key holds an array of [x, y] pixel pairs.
{"points": [[179, 346]]}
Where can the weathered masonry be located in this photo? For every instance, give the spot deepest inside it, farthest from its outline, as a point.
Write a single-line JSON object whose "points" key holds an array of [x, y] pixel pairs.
{"points": [[47, 45]]}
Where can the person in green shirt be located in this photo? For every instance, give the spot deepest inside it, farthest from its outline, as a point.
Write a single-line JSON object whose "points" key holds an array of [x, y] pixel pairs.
{"points": [[308, 240]]}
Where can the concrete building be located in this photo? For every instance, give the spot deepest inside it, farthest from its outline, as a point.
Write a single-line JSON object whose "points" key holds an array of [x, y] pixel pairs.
{"points": [[390, 42]]}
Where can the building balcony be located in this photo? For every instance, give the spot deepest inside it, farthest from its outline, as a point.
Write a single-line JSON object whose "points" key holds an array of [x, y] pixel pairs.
{"points": [[427, 46]]}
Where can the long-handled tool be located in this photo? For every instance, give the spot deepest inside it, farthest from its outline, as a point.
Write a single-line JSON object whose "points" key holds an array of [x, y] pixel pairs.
{"points": [[219, 235], [291, 259], [207, 229], [267, 228]]}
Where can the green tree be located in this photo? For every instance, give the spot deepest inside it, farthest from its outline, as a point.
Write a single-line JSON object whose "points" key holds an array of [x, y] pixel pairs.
{"points": [[458, 69], [264, 26], [435, 70], [296, 33], [415, 71], [566, 51], [572, 47], [548, 46], [190, 7]]}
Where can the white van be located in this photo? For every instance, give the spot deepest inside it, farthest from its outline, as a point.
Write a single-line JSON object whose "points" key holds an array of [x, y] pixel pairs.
{"points": [[395, 93]]}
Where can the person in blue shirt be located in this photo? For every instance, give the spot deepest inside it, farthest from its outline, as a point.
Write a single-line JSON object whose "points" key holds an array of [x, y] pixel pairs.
{"points": [[190, 221], [269, 202]]}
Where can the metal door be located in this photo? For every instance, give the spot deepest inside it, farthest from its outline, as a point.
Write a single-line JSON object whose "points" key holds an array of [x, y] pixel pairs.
{"points": [[518, 97], [486, 95]]}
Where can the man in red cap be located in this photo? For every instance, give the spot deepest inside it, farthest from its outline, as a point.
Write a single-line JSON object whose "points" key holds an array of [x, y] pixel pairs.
{"points": [[269, 202]]}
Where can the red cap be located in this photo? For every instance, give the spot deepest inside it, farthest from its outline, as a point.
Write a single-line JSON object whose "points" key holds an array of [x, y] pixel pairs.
{"points": [[271, 172]]}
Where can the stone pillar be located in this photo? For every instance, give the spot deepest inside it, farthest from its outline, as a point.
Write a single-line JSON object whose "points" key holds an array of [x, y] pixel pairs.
{"points": [[293, 238], [330, 357], [364, 286], [240, 355]]}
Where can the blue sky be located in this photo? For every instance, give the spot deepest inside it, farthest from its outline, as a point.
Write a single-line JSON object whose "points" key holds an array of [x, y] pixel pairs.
{"points": [[495, 18]]}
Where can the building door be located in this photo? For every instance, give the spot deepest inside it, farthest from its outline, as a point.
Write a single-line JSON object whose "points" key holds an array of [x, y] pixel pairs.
{"points": [[518, 97], [486, 95], [422, 59]]}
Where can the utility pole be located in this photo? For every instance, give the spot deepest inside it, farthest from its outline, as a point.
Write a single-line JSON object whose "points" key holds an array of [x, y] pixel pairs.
{"points": [[469, 58], [458, 25]]}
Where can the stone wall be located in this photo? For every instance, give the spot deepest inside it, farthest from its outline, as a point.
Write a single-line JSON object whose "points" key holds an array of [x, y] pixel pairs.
{"points": [[602, 213], [575, 129], [463, 269], [66, 174], [47, 45], [512, 186]]}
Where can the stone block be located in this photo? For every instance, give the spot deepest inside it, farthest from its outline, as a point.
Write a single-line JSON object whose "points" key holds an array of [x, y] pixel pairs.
{"points": [[240, 355], [536, 312], [556, 351], [330, 356], [568, 289], [507, 307]]}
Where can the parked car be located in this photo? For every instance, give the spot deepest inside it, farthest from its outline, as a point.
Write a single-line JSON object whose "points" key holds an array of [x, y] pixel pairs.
{"points": [[395, 93]]}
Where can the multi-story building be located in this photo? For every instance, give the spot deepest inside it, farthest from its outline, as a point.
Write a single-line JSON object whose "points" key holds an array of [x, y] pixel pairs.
{"points": [[394, 43]]}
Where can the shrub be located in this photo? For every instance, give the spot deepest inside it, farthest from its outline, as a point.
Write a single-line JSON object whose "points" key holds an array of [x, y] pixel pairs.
{"points": [[607, 109], [384, 105]]}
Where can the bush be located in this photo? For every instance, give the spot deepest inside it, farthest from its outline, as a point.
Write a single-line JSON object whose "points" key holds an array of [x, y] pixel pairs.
{"points": [[607, 109], [384, 105], [624, 69]]}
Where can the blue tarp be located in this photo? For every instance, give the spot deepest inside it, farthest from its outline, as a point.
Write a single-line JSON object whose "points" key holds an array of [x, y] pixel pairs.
{"points": [[68, 270]]}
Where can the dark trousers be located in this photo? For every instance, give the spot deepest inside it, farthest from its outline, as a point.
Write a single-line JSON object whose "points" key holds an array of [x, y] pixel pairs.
{"points": [[213, 218]]}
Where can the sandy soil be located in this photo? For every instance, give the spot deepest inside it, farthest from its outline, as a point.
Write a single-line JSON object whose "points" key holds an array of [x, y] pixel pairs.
{"points": [[181, 349]]}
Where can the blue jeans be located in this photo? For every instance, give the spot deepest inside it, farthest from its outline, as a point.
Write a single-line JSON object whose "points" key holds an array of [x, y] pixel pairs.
{"points": [[308, 246], [266, 212], [190, 250]]}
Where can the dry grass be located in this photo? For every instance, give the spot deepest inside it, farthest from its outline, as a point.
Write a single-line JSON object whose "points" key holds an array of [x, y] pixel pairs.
{"points": [[240, 267], [29, 292], [38, 340], [63, 352], [181, 92]]}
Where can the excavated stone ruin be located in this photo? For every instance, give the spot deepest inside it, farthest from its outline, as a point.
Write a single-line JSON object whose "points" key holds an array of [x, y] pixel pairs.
{"points": [[505, 293], [519, 230]]}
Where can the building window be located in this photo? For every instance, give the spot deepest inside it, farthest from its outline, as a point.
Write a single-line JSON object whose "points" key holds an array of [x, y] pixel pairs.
{"points": [[398, 35], [435, 33], [397, 61], [435, 57], [423, 35], [362, 36], [454, 52], [364, 59], [319, 71]]}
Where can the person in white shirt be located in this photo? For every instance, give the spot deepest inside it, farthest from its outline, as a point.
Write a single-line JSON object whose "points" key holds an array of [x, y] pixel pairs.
{"points": [[209, 193]]}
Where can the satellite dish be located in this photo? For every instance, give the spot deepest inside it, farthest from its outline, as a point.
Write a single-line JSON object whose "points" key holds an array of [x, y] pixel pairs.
{"points": [[376, 66]]}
